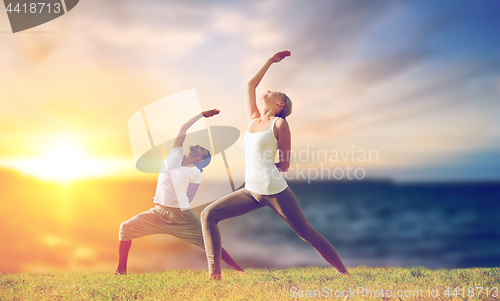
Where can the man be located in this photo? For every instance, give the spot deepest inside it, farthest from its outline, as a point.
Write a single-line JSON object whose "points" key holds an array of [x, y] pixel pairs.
{"points": [[178, 182]]}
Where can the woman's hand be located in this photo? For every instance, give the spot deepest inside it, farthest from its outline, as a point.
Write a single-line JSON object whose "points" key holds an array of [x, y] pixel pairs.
{"points": [[210, 113], [278, 56]]}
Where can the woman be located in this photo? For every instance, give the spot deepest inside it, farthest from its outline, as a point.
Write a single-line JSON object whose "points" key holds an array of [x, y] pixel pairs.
{"points": [[267, 132]]}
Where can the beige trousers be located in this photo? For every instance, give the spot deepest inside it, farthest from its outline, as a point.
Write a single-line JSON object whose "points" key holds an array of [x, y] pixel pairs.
{"points": [[181, 223]]}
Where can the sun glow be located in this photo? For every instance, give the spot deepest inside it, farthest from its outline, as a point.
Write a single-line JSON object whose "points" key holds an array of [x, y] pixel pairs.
{"points": [[63, 160]]}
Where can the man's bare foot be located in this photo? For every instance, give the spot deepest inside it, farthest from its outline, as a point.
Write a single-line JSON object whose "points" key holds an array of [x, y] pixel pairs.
{"points": [[240, 271], [120, 272], [213, 277]]}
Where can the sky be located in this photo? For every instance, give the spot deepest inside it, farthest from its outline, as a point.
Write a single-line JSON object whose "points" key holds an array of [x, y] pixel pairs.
{"points": [[417, 81]]}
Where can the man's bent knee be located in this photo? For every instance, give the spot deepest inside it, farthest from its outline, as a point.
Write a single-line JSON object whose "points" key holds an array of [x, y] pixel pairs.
{"points": [[122, 234]]}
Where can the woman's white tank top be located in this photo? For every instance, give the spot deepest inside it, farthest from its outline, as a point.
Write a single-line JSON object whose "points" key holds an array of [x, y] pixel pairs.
{"points": [[261, 175]]}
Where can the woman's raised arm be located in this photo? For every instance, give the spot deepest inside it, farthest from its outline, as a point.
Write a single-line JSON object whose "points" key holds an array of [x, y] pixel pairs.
{"points": [[252, 111]]}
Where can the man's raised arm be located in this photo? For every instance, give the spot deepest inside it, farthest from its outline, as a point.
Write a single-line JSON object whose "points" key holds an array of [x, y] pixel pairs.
{"points": [[182, 132]]}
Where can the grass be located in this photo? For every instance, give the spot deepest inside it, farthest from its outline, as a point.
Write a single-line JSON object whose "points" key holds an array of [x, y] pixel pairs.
{"points": [[254, 284]]}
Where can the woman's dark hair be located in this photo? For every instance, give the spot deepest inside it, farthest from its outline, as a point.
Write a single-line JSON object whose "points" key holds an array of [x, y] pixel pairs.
{"points": [[204, 163]]}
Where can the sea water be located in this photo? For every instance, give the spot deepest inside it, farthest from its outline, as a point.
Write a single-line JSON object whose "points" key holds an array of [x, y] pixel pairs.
{"points": [[378, 223]]}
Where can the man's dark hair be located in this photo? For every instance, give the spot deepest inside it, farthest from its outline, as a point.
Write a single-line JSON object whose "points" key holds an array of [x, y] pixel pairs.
{"points": [[206, 160]]}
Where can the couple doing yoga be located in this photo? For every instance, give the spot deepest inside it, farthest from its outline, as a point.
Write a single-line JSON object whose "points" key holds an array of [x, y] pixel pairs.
{"points": [[268, 132]]}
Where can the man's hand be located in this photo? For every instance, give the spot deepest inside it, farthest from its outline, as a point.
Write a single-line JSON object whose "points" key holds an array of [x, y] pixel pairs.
{"points": [[278, 56], [210, 113]]}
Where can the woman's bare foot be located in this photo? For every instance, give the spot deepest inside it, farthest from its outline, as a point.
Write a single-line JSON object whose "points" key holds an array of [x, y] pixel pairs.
{"points": [[213, 277], [345, 274]]}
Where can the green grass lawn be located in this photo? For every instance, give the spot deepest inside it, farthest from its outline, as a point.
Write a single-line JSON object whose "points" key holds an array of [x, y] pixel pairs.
{"points": [[258, 284]]}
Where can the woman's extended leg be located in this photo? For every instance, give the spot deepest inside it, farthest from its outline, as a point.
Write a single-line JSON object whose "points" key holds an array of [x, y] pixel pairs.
{"points": [[286, 206], [233, 204]]}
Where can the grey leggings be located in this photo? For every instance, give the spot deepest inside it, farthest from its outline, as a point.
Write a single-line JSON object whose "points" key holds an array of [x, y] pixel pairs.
{"points": [[243, 201]]}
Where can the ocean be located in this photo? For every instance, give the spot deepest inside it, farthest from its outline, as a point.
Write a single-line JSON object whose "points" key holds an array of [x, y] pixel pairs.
{"points": [[52, 226], [378, 223]]}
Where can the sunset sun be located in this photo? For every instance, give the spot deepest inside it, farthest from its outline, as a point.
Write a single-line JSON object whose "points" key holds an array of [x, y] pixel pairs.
{"points": [[63, 159], [66, 160]]}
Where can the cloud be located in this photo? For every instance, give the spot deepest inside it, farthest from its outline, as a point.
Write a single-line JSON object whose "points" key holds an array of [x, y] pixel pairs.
{"points": [[408, 97], [138, 30], [37, 47], [330, 30], [363, 74], [254, 31], [144, 39]]}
